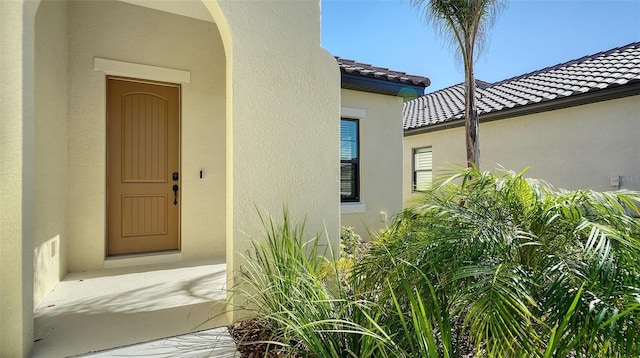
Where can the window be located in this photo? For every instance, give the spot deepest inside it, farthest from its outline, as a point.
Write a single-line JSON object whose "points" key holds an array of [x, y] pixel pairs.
{"points": [[349, 161], [422, 168]]}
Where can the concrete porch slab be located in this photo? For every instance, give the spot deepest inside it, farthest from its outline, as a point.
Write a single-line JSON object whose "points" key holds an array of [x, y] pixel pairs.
{"points": [[98, 310]]}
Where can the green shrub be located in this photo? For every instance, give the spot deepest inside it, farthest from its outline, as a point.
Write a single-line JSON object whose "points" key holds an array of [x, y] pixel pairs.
{"points": [[509, 263], [349, 242], [507, 256], [290, 282]]}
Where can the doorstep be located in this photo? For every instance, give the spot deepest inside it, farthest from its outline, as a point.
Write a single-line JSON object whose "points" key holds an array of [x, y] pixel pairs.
{"points": [[104, 309]]}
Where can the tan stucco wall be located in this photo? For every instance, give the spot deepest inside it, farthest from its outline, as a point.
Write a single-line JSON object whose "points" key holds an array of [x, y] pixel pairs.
{"points": [[129, 33], [572, 148], [50, 134], [284, 103], [380, 164], [16, 176]]}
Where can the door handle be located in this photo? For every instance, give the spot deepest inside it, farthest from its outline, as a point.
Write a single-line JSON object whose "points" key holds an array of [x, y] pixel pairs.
{"points": [[175, 194]]}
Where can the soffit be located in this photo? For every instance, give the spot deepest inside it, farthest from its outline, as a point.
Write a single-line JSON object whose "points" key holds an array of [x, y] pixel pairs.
{"points": [[190, 8]]}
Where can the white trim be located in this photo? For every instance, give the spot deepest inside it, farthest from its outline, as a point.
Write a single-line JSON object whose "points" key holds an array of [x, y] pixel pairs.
{"points": [[353, 208], [353, 112], [128, 69], [142, 259]]}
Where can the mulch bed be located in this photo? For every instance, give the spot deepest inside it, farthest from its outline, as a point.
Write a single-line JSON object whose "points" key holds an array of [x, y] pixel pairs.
{"points": [[251, 336]]}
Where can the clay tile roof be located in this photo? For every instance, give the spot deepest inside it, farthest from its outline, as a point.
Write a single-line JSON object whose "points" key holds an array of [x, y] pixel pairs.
{"points": [[380, 73], [598, 72]]}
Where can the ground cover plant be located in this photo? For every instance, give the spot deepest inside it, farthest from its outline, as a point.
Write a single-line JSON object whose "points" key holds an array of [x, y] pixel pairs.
{"points": [[504, 262]]}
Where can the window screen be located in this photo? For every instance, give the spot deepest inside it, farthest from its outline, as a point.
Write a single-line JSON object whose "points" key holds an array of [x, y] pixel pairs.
{"points": [[422, 168]]}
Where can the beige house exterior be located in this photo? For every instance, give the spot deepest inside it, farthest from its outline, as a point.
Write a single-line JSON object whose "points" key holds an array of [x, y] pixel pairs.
{"points": [[380, 171], [237, 148], [576, 125], [373, 97]]}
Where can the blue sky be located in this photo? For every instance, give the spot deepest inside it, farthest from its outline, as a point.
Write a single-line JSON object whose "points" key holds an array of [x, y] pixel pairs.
{"points": [[527, 35]]}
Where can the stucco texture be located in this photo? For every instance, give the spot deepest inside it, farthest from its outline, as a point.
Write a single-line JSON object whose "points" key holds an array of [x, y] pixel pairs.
{"points": [[16, 176], [283, 97], [50, 133], [572, 148], [380, 167]]}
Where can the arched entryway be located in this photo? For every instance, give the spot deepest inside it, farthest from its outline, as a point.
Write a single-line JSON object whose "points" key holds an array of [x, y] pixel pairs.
{"points": [[77, 46], [268, 97]]}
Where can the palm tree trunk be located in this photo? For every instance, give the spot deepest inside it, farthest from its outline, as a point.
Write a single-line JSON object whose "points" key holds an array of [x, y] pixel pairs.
{"points": [[472, 125]]}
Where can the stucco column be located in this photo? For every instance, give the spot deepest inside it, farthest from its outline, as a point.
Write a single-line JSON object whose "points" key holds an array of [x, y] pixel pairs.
{"points": [[16, 162], [283, 100]]}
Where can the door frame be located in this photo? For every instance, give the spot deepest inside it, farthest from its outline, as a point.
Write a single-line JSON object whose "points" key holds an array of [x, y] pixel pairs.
{"points": [[107, 77]]}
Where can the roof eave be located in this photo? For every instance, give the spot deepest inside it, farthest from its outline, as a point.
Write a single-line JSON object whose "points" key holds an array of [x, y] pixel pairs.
{"points": [[373, 85], [626, 90]]}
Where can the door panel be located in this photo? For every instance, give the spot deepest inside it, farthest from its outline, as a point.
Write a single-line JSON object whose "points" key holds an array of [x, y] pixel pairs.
{"points": [[143, 140], [144, 215]]}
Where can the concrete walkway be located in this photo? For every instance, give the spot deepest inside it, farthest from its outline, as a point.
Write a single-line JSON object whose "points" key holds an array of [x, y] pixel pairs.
{"points": [[215, 343], [121, 307]]}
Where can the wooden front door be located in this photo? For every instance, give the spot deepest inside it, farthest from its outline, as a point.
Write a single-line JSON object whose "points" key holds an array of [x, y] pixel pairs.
{"points": [[143, 161]]}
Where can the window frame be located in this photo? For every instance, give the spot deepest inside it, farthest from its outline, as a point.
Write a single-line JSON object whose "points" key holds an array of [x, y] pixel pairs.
{"points": [[355, 163], [414, 170]]}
